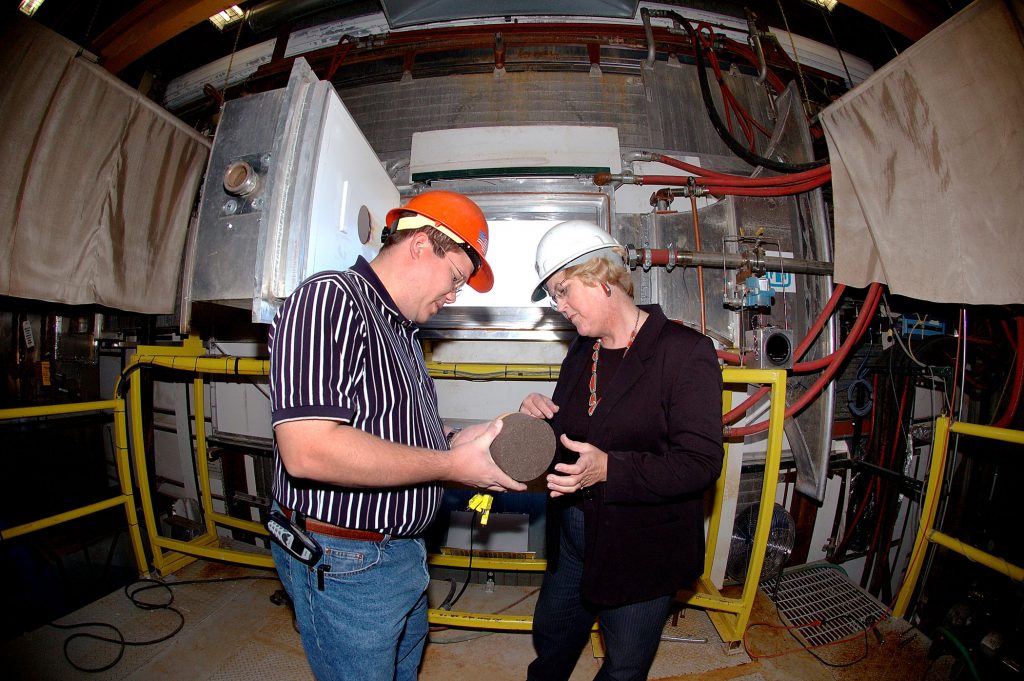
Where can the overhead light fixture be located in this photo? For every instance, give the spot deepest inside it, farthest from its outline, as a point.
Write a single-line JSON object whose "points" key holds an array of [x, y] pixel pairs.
{"points": [[29, 7], [222, 20], [825, 4]]}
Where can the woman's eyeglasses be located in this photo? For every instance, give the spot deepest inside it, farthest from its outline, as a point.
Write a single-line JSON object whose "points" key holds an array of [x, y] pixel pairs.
{"points": [[557, 293]]}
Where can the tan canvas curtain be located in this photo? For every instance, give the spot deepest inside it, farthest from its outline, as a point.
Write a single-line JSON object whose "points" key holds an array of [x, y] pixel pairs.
{"points": [[928, 165], [97, 181]]}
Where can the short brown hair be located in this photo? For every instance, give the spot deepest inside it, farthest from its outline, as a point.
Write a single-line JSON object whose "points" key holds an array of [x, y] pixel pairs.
{"points": [[440, 242]]}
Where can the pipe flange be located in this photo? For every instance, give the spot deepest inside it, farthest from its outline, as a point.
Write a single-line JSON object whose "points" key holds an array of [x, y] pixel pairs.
{"points": [[631, 256]]}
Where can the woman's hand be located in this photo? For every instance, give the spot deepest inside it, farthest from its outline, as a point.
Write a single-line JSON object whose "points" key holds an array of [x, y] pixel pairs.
{"points": [[590, 469], [538, 405]]}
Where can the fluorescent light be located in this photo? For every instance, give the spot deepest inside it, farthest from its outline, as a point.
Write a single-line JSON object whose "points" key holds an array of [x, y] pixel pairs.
{"points": [[224, 19], [827, 4], [29, 7]]}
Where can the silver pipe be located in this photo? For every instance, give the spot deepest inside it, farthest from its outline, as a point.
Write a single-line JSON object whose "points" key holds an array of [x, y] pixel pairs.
{"points": [[645, 14], [755, 36], [730, 261]]}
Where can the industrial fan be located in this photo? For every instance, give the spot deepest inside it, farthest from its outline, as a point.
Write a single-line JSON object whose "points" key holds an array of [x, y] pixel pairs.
{"points": [[781, 537]]}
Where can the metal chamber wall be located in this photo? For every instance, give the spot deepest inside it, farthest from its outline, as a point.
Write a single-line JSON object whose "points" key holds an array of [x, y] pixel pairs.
{"points": [[656, 109]]}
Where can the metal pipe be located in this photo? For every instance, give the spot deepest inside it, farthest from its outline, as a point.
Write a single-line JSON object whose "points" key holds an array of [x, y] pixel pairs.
{"points": [[990, 432], [56, 409], [730, 615], [730, 261], [59, 518], [700, 268], [645, 14], [755, 36], [996, 563]]}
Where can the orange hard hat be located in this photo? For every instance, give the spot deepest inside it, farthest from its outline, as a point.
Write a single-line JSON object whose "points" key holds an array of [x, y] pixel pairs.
{"points": [[458, 217]]}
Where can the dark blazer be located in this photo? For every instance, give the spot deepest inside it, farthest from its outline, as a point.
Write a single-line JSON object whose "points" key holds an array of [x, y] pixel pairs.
{"points": [[660, 422]]}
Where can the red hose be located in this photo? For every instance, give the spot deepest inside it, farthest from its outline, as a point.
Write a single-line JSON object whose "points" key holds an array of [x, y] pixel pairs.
{"points": [[739, 180], [720, 188], [867, 313], [886, 462], [812, 334], [785, 190], [1018, 380]]}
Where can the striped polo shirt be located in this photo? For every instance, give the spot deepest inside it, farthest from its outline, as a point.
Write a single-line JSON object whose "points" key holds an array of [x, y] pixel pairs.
{"points": [[341, 350]]}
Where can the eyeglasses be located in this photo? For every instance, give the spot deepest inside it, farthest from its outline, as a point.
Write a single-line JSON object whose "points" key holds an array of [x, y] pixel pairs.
{"points": [[458, 278], [558, 293]]}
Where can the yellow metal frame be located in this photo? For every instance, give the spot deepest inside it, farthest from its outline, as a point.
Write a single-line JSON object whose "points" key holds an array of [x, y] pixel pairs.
{"points": [[189, 357], [729, 615], [125, 498], [927, 532]]}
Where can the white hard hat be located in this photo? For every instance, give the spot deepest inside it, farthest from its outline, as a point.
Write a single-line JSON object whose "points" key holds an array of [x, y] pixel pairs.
{"points": [[568, 244]]}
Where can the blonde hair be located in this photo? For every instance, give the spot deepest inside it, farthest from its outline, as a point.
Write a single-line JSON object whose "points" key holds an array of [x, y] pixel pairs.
{"points": [[602, 270]]}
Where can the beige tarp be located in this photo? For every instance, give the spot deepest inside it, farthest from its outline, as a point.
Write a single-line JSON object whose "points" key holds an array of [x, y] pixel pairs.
{"points": [[96, 182], [928, 165]]}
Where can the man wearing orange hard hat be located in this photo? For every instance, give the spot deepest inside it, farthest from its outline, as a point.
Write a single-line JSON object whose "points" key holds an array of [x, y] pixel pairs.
{"points": [[360, 450]]}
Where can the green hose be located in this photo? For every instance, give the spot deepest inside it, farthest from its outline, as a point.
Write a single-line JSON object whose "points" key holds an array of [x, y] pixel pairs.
{"points": [[963, 652]]}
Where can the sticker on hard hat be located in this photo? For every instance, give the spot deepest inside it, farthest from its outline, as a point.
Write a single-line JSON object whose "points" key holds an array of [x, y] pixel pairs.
{"points": [[481, 241]]}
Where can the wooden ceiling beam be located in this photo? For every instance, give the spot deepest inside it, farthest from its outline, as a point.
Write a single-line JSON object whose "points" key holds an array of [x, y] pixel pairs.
{"points": [[148, 25], [911, 19]]}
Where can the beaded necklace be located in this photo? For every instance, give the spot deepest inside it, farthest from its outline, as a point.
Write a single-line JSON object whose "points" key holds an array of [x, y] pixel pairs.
{"points": [[592, 403]]}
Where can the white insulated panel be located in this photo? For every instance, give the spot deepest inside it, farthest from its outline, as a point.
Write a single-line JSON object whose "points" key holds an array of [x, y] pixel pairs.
{"points": [[350, 186], [508, 150]]}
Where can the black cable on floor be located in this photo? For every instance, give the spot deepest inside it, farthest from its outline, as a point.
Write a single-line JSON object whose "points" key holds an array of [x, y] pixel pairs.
{"points": [[448, 603], [131, 591]]}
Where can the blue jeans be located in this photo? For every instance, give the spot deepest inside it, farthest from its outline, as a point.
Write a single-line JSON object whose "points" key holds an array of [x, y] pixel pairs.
{"points": [[369, 622], [562, 620]]}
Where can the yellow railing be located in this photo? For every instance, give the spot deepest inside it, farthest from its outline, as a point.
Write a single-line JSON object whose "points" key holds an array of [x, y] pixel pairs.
{"points": [[125, 498], [927, 532], [729, 615], [189, 357]]}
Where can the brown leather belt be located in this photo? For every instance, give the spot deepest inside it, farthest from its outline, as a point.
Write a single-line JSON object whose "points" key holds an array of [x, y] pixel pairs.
{"points": [[314, 525]]}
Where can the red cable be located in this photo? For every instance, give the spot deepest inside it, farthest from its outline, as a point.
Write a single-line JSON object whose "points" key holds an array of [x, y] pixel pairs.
{"points": [[733, 105], [1018, 379], [885, 462], [740, 180], [787, 190], [856, 518], [870, 305], [812, 333], [875, 482], [854, 338], [735, 184]]}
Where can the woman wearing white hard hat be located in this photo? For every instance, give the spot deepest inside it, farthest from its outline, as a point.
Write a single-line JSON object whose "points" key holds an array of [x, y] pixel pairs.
{"points": [[637, 408]]}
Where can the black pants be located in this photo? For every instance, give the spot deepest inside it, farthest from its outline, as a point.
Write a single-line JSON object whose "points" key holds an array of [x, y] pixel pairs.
{"points": [[562, 621]]}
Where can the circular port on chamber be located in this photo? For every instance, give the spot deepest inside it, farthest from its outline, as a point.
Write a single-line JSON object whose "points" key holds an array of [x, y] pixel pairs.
{"points": [[778, 349], [364, 225], [240, 179]]}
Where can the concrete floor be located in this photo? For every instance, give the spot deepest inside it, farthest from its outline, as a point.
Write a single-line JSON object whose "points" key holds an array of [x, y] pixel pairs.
{"points": [[233, 630]]}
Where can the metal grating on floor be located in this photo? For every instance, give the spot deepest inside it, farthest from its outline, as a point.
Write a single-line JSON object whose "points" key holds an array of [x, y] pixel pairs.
{"points": [[825, 594]]}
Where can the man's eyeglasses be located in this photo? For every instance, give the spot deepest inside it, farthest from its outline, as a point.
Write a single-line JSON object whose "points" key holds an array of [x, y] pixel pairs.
{"points": [[557, 293], [458, 278]]}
